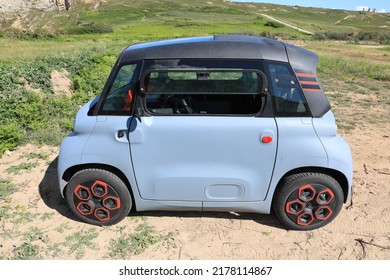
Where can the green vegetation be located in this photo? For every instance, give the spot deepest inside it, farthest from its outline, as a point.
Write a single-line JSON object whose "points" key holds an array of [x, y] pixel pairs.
{"points": [[144, 20], [26, 166], [26, 251], [79, 241], [135, 243], [273, 24], [90, 29], [21, 215], [35, 155], [323, 20], [47, 216], [63, 227], [345, 68], [86, 42], [6, 188], [36, 242], [30, 110], [10, 137], [33, 234], [383, 38], [355, 76]]}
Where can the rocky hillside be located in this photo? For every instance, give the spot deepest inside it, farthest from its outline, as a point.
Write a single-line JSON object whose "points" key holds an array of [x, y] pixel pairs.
{"points": [[22, 14], [13, 6]]}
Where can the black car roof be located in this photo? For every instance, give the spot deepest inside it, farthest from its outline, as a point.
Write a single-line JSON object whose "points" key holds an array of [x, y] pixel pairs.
{"points": [[303, 62], [221, 46]]}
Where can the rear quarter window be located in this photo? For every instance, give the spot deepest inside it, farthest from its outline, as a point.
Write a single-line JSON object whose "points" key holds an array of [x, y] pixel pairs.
{"points": [[285, 89]]}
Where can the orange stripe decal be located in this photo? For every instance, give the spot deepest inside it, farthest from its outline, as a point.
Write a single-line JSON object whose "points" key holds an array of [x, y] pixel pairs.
{"points": [[305, 75], [309, 83], [312, 90]]}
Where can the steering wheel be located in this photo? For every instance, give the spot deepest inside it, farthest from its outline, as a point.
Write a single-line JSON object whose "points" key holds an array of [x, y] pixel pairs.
{"points": [[178, 104], [185, 106]]}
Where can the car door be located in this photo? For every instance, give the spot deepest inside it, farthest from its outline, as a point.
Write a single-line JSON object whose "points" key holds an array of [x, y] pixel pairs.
{"points": [[197, 141], [108, 143]]}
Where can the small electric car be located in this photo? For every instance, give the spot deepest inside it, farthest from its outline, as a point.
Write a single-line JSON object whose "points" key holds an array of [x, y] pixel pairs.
{"points": [[217, 123]]}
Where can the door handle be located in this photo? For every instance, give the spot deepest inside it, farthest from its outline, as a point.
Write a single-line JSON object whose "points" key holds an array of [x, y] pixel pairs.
{"points": [[121, 133]]}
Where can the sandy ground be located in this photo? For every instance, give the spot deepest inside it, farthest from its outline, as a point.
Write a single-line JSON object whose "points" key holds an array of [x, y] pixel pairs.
{"points": [[37, 215]]}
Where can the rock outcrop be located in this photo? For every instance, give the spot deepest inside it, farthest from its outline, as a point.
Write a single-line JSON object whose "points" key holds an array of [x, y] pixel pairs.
{"points": [[20, 6]]}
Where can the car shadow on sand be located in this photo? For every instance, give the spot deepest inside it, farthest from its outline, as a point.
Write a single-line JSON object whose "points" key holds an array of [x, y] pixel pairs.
{"points": [[263, 219], [50, 194]]}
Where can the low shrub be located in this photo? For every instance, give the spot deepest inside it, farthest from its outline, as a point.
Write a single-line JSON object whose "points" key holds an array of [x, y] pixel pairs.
{"points": [[29, 110], [15, 33], [351, 36], [90, 29], [319, 36], [333, 35], [273, 24], [346, 68], [10, 137]]}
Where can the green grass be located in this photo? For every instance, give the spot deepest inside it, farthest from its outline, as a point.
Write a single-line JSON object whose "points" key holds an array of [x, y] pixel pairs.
{"points": [[4, 210], [47, 216], [10, 135], [355, 77], [6, 188], [120, 14], [63, 227], [32, 49], [36, 243], [36, 155], [135, 243], [21, 215], [23, 167], [323, 20], [26, 251], [31, 113], [78, 242], [33, 234], [44, 118], [54, 249], [346, 68], [348, 62]]}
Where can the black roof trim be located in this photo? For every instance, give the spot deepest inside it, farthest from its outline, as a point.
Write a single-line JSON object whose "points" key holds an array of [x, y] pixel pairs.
{"points": [[208, 47]]}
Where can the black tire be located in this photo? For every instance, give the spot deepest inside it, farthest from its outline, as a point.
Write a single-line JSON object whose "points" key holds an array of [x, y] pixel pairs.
{"points": [[98, 197], [308, 201]]}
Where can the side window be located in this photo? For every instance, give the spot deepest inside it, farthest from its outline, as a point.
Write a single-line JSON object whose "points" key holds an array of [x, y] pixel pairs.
{"points": [[120, 96], [205, 92], [288, 97]]}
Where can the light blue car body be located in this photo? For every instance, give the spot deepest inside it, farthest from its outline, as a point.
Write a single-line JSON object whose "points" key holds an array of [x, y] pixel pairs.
{"points": [[209, 163]]}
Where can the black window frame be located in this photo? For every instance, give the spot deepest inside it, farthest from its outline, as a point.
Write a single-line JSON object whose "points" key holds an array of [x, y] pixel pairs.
{"points": [[213, 65], [107, 87]]}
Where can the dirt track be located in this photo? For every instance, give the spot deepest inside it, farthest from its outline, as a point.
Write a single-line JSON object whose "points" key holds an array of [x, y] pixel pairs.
{"points": [[288, 25]]}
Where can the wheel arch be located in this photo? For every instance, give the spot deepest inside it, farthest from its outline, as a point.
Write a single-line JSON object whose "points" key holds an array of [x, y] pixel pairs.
{"points": [[337, 175], [67, 175]]}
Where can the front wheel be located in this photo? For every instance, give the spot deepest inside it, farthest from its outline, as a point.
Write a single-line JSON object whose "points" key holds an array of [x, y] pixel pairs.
{"points": [[98, 197], [308, 201]]}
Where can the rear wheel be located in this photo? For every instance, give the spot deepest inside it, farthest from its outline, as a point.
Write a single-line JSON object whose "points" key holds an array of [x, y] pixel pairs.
{"points": [[98, 197], [308, 201]]}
